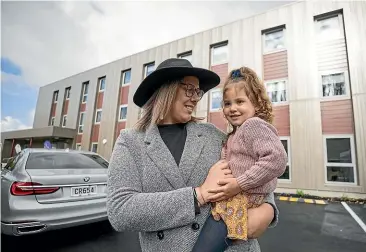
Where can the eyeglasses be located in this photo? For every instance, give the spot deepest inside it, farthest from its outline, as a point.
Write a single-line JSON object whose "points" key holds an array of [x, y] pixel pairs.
{"points": [[191, 90]]}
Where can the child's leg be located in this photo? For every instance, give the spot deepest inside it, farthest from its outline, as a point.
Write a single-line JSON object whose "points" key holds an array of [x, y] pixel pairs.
{"points": [[212, 237], [236, 217]]}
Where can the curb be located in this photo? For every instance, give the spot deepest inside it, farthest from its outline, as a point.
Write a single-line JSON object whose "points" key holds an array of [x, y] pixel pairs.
{"points": [[301, 200]]}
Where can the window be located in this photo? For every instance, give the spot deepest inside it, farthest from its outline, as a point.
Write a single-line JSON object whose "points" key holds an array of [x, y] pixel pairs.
{"points": [[187, 56], [148, 69], [340, 163], [216, 100], [286, 144], [219, 54], [333, 84], [55, 96], [78, 146], [101, 83], [274, 40], [98, 116], [330, 27], [81, 123], [64, 118], [276, 91], [52, 121], [126, 77], [85, 92], [65, 160], [67, 93], [122, 113], [94, 147]]}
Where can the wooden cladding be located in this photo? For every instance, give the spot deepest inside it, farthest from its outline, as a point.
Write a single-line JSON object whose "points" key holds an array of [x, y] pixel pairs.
{"points": [[282, 120], [53, 109], [123, 95], [337, 117], [82, 107], [100, 99], [79, 138], [217, 118], [332, 55], [275, 65], [120, 126], [95, 133], [222, 71], [65, 107]]}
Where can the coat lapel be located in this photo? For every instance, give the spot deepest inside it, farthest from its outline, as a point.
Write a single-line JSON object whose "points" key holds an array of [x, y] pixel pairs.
{"points": [[192, 150], [163, 159]]}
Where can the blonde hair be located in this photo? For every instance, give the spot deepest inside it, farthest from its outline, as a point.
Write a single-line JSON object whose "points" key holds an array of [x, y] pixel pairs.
{"points": [[248, 80], [159, 105]]}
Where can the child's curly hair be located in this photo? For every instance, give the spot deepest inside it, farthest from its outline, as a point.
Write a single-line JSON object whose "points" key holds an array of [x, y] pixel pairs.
{"points": [[247, 79]]}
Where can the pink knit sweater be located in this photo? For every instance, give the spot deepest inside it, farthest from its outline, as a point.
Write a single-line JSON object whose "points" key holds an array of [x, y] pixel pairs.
{"points": [[256, 156]]}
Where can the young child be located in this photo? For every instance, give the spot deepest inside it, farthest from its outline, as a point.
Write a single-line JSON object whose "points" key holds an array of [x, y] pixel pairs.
{"points": [[255, 156]]}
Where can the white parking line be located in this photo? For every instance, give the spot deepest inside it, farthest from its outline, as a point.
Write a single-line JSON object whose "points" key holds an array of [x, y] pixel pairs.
{"points": [[354, 215]]}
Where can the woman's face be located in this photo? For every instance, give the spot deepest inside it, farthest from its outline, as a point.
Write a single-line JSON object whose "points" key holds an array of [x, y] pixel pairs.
{"points": [[183, 105]]}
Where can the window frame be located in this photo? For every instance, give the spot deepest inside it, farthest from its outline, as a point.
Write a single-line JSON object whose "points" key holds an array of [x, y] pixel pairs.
{"points": [[52, 121], [328, 16], [353, 156], [64, 120], [119, 112], [100, 82], [55, 96], [67, 93], [123, 76], [346, 83], [96, 113], [91, 146], [210, 99], [287, 93], [266, 51], [185, 54], [288, 139], [146, 66], [83, 94], [81, 125], [213, 47]]}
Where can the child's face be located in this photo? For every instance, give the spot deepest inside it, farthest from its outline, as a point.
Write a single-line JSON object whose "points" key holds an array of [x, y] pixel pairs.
{"points": [[237, 106]]}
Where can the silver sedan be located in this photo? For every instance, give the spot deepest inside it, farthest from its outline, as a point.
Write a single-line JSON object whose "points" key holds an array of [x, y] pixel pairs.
{"points": [[44, 190]]}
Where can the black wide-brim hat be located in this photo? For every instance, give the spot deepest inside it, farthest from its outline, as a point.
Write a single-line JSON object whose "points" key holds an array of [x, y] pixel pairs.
{"points": [[172, 70]]}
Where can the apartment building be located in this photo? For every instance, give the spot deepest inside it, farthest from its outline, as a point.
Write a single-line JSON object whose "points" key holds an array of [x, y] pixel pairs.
{"points": [[311, 57]]}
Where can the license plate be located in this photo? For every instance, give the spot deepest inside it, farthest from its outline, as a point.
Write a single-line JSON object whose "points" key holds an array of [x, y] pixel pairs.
{"points": [[83, 190]]}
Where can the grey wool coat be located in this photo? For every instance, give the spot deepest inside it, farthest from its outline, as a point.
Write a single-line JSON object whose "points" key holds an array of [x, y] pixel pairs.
{"points": [[148, 193]]}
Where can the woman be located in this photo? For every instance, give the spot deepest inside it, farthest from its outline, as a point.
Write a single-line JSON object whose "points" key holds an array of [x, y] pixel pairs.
{"points": [[161, 171]]}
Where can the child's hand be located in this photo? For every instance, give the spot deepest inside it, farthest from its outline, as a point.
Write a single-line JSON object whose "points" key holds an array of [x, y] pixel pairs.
{"points": [[228, 188]]}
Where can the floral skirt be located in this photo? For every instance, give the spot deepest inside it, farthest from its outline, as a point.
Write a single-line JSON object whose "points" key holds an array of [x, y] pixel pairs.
{"points": [[234, 212]]}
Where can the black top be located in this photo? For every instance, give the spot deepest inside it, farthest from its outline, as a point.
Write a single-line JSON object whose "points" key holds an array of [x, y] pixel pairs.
{"points": [[174, 137]]}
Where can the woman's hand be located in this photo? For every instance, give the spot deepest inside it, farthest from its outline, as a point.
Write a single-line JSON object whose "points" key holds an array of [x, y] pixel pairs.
{"points": [[227, 188], [218, 171], [259, 219]]}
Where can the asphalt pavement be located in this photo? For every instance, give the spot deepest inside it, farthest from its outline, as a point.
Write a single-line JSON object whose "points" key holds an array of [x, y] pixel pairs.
{"points": [[302, 228]]}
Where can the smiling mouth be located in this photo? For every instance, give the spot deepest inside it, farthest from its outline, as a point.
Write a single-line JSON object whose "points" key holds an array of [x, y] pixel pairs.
{"points": [[234, 117], [189, 108]]}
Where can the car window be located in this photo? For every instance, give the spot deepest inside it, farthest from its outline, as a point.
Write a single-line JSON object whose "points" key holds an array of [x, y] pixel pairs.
{"points": [[65, 161]]}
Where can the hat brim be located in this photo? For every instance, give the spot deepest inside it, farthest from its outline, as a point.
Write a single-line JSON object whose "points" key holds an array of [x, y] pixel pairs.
{"points": [[207, 81]]}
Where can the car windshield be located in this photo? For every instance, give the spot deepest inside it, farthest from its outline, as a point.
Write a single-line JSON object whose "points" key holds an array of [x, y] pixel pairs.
{"points": [[65, 161]]}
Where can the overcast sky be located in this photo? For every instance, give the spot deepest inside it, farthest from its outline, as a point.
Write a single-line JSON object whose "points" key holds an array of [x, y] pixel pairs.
{"points": [[42, 42]]}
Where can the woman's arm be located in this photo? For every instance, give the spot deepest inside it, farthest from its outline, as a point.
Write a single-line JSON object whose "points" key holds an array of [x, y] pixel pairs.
{"points": [[129, 208], [263, 217]]}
